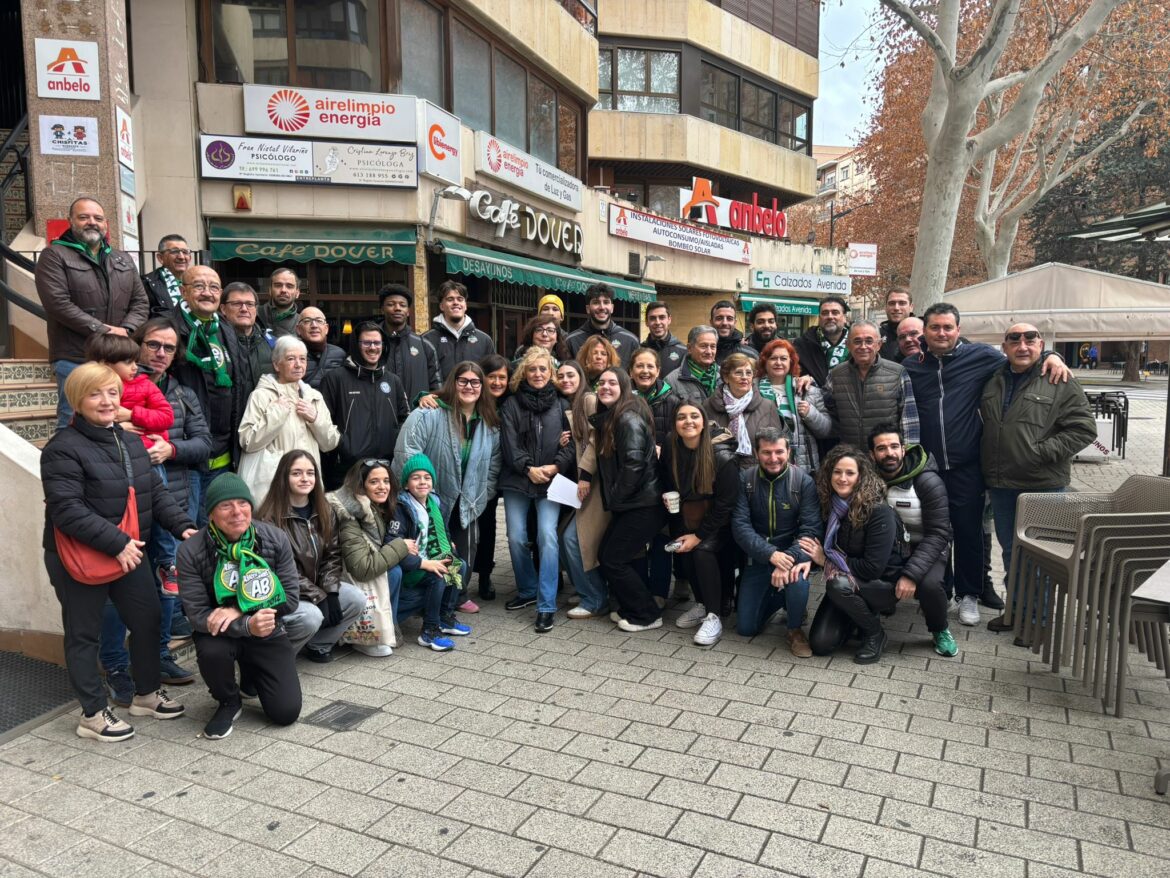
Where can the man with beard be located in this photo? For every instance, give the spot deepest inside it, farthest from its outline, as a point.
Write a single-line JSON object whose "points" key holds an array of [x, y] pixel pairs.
{"points": [[313, 330], [825, 345], [917, 494], [409, 356], [762, 319], [731, 340], [86, 288], [238, 307], [898, 308], [697, 377], [659, 338], [164, 285], [279, 314], [599, 307], [453, 335]]}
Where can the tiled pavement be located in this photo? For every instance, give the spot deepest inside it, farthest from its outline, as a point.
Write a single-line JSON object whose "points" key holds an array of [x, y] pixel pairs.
{"points": [[590, 752]]}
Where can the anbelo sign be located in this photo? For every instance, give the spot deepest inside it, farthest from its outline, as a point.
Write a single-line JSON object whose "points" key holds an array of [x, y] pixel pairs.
{"points": [[697, 203]]}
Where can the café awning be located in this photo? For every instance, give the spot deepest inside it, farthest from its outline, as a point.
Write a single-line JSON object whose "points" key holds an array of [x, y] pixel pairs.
{"points": [[783, 305], [481, 262], [303, 242]]}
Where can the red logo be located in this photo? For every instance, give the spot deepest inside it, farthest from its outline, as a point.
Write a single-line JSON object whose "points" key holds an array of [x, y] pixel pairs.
{"points": [[439, 148], [288, 110], [67, 62], [495, 156]]}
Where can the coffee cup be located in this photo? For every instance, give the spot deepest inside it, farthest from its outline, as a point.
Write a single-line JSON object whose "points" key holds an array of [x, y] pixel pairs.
{"points": [[672, 499]]}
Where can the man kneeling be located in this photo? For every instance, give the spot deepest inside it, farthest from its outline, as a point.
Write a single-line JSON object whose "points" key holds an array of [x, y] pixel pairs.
{"points": [[237, 580]]}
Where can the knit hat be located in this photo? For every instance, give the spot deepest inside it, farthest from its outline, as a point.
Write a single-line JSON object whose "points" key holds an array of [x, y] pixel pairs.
{"points": [[227, 486], [550, 299], [413, 464]]}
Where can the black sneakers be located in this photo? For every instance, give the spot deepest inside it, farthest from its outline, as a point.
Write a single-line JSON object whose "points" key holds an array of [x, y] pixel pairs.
{"points": [[224, 720], [519, 603]]}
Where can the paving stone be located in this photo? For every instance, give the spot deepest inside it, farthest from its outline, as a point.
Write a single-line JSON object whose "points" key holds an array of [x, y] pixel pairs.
{"points": [[336, 848], [603, 749], [836, 800], [592, 723], [1147, 840], [280, 789], [402, 862], [798, 766], [417, 792], [782, 739], [1033, 789], [62, 802], [696, 797], [34, 840], [616, 779], [346, 808], [1125, 807], [18, 782], [650, 855], [492, 812], [561, 766], [811, 859], [94, 858], [857, 754], [562, 864], [250, 861], [631, 813], [494, 779], [834, 728], [1040, 846], [492, 851], [545, 792], [734, 691], [965, 862], [290, 758], [958, 753], [415, 829], [925, 820], [1078, 775], [1100, 860], [887, 784], [554, 829], [788, 818], [865, 838], [712, 834], [266, 825], [979, 804], [930, 770], [183, 845]]}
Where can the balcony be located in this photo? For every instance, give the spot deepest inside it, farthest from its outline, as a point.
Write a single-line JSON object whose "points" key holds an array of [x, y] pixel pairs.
{"points": [[584, 13]]}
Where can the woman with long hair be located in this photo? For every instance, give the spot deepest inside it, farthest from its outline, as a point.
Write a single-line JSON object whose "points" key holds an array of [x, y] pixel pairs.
{"points": [[627, 462], [570, 380], [738, 408], [597, 355], [461, 437], [497, 375], [803, 414], [544, 331], [295, 503], [862, 554], [706, 478]]}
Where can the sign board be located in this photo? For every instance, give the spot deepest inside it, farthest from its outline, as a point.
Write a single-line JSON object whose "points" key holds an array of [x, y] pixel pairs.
{"points": [[129, 214], [133, 248], [317, 112], [497, 159], [68, 69], [69, 135], [365, 164], [791, 281], [303, 161], [625, 222], [499, 219], [440, 145], [126, 181], [862, 259], [124, 137], [699, 205]]}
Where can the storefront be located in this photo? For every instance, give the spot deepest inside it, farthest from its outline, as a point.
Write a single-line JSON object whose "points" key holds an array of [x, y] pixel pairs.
{"points": [[784, 289]]}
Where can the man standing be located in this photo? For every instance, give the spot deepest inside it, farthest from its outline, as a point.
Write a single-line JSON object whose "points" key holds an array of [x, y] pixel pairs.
{"points": [[917, 494], [164, 285], [762, 319], [453, 335], [599, 307], [898, 308], [1031, 430], [279, 314], [313, 330], [730, 339], [909, 338], [778, 505], [86, 288], [825, 345], [238, 307], [867, 390], [659, 338], [412, 358], [367, 403], [697, 376]]}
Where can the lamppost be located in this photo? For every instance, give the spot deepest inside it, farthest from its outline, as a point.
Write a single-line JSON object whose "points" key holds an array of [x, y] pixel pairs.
{"points": [[454, 193]]}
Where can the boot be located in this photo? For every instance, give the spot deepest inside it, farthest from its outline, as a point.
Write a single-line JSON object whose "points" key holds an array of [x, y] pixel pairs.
{"points": [[487, 591], [871, 648]]}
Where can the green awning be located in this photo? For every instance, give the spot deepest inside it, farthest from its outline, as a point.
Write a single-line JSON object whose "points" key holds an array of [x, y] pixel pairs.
{"points": [[304, 242], [809, 307], [465, 259]]}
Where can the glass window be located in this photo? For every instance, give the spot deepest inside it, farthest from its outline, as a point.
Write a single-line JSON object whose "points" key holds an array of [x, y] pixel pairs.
{"points": [[718, 96], [251, 41], [568, 125], [664, 199], [647, 81], [605, 70], [422, 51], [758, 111], [338, 44], [472, 74], [511, 101], [542, 120]]}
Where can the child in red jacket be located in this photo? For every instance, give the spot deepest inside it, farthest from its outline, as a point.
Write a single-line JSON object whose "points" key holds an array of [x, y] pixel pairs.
{"points": [[144, 409]]}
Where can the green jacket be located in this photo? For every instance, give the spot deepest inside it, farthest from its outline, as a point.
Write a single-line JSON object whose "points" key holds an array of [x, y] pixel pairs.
{"points": [[1031, 445]]}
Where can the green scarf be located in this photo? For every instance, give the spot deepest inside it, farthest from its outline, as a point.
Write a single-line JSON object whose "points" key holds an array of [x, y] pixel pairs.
{"points": [[708, 377], [836, 354], [174, 286], [284, 315], [786, 404], [239, 565], [469, 427], [654, 394], [204, 347]]}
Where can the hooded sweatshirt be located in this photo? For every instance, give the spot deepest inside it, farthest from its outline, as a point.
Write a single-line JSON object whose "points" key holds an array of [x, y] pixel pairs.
{"points": [[454, 344]]}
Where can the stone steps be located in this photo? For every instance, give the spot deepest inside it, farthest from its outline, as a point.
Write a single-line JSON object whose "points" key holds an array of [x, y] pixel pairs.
{"points": [[28, 399]]}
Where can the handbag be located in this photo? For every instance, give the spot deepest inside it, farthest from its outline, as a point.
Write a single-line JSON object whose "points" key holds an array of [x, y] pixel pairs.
{"points": [[375, 625], [85, 563]]}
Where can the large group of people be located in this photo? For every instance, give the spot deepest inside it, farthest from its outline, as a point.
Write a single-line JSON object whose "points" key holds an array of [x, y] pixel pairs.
{"points": [[221, 468]]}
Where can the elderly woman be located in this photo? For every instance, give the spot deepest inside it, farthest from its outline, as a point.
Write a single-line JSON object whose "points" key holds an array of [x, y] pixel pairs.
{"points": [[90, 470], [284, 413], [595, 356], [739, 409], [803, 414]]}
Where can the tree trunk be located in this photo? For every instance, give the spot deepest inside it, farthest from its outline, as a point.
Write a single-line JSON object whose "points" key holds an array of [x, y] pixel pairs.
{"points": [[941, 195], [1133, 358], [997, 253]]}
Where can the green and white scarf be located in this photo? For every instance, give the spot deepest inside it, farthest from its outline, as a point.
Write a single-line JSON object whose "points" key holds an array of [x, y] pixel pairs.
{"points": [[242, 575], [708, 377], [204, 347], [837, 353], [785, 402]]}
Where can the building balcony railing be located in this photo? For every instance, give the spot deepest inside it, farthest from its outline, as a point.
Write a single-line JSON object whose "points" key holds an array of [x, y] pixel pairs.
{"points": [[585, 13]]}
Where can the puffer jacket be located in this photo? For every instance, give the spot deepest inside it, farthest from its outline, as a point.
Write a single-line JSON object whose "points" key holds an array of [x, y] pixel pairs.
{"points": [[759, 414], [714, 528], [733, 343], [857, 405], [877, 550], [80, 294], [413, 359], [629, 476], [321, 363], [256, 349], [188, 436], [405, 526], [318, 560], [663, 405], [197, 560], [369, 407], [686, 386], [531, 436], [772, 514], [453, 346], [919, 497], [623, 341], [365, 554], [87, 472], [670, 352]]}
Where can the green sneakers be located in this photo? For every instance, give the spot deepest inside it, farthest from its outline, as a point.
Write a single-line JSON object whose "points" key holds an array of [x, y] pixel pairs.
{"points": [[944, 644]]}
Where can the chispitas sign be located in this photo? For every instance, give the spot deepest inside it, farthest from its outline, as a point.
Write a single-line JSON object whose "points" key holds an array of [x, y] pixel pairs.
{"points": [[532, 225]]}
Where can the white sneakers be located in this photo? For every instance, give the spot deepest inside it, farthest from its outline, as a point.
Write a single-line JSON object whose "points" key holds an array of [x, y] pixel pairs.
{"points": [[710, 631], [104, 726], [377, 650], [579, 612], [626, 625], [969, 609], [693, 617]]}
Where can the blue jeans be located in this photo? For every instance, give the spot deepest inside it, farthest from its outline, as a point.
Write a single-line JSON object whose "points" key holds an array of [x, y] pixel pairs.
{"points": [[590, 585], [516, 507], [198, 485], [304, 624], [758, 600], [432, 598], [394, 584], [63, 368], [1003, 507], [162, 545]]}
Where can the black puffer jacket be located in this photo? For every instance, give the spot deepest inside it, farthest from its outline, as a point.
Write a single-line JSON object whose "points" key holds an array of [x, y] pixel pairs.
{"points": [[321, 363], [87, 472], [663, 404], [188, 435], [318, 560], [734, 343], [919, 497], [453, 347], [629, 476], [623, 341], [413, 359], [715, 526], [877, 549], [368, 405], [670, 351], [531, 425]]}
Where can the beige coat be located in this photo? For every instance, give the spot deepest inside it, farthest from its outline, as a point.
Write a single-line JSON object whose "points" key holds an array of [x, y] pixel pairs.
{"points": [[592, 518]]}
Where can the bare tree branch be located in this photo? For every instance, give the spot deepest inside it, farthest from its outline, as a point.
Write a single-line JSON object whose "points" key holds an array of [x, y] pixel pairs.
{"points": [[995, 40]]}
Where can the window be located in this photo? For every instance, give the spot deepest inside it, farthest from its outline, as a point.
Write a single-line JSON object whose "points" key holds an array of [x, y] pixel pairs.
{"points": [[511, 100], [758, 111], [663, 199], [422, 51], [542, 120], [718, 96], [568, 136], [472, 74], [735, 102], [605, 79], [843, 171], [647, 80]]}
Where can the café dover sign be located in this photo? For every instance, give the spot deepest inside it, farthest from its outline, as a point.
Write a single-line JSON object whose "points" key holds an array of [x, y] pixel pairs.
{"points": [[318, 112], [824, 284], [625, 222]]}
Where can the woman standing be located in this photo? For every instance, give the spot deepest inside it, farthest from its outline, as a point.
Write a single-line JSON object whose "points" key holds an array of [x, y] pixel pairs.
{"points": [[570, 379], [595, 356], [582, 534], [461, 437], [533, 419], [861, 554], [283, 413], [739, 409], [803, 414], [89, 469], [630, 489], [497, 373], [543, 331]]}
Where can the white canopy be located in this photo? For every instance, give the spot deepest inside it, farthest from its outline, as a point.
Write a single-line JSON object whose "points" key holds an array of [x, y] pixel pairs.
{"points": [[1066, 303]]}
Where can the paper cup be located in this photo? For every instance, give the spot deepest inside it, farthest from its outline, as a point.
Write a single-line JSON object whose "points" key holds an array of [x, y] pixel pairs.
{"points": [[672, 501]]}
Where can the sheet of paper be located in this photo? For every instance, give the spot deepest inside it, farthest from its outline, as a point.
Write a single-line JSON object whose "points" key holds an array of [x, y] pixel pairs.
{"points": [[563, 491]]}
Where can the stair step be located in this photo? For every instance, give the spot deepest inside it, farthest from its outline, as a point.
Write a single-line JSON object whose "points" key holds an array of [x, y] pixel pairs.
{"points": [[24, 399], [35, 426], [26, 372]]}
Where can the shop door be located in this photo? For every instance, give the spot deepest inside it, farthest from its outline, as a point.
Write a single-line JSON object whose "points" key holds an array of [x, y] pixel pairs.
{"points": [[509, 324]]}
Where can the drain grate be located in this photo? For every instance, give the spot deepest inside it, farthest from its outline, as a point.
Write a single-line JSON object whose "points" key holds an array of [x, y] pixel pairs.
{"points": [[341, 716], [31, 689]]}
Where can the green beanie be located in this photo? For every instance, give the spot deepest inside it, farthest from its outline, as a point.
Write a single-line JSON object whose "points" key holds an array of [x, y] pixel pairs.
{"points": [[227, 486], [414, 464]]}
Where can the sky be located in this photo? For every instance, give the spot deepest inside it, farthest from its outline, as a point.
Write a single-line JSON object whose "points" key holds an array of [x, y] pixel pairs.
{"points": [[839, 113]]}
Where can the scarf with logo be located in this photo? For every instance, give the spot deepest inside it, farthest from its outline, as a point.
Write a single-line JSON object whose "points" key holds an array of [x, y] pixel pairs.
{"points": [[785, 402], [205, 348], [242, 575], [836, 354]]}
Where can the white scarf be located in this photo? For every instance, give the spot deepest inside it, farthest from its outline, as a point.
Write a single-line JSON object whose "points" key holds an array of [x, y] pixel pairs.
{"points": [[735, 409], [424, 523]]}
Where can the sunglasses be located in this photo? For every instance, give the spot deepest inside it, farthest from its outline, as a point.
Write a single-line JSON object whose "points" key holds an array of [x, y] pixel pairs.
{"points": [[1014, 337], [376, 461]]}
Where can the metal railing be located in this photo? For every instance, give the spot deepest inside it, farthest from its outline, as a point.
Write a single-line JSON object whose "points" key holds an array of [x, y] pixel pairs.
{"points": [[18, 152]]}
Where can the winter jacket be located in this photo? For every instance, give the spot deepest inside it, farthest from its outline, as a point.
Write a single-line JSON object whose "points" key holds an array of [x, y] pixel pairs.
{"points": [[686, 386], [813, 360], [87, 472], [271, 427], [318, 561], [188, 437], [629, 476], [266, 319], [875, 550], [857, 405], [256, 350], [531, 424], [429, 432], [223, 407], [623, 341], [158, 294], [772, 513], [197, 560], [1030, 446], [368, 406], [663, 405], [734, 343], [888, 331], [714, 528], [453, 346], [321, 363], [758, 344], [919, 497], [804, 430], [759, 414], [592, 518], [670, 352], [148, 406], [365, 552], [405, 526], [413, 359], [82, 294]]}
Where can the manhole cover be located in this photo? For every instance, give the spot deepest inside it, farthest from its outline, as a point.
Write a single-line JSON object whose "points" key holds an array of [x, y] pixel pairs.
{"points": [[341, 716]]}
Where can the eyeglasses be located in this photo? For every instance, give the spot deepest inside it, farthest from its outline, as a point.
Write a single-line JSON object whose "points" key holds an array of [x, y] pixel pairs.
{"points": [[312, 321], [902, 336], [545, 330], [157, 346], [201, 287], [372, 462], [241, 306], [473, 383], [177, 251], [371, 344], [744, 373], [864, 342], [1013, 337]]}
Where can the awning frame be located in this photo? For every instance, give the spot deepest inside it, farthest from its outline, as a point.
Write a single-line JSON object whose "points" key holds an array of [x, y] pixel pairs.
{"points": [[300, 242]]}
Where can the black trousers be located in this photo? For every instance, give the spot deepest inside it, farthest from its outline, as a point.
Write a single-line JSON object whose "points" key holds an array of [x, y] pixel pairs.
{"points": [[485, 561], [267, 663], [464, 544], [965, 503], [624, 543], [135, 596], [713, 580]]}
